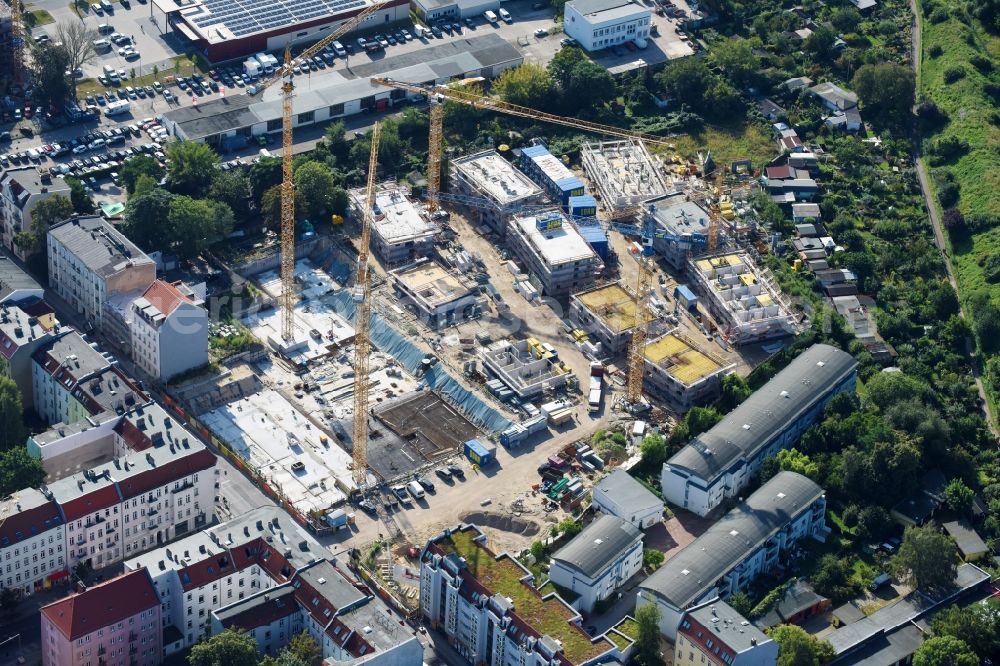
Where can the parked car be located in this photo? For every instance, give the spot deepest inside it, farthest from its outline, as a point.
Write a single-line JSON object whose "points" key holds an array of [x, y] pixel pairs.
{"points": [[427, 484], [443, 473], [541, 32], [456, 471]]}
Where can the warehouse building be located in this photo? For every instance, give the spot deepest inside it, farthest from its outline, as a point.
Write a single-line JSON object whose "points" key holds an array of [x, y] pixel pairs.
{"points": [[608, 315], [438, 297], [623, 171], [222, 30], [744, 543], [742, 298], [601, 24], [524, 370], [335, 93], [401, 231], [557, 257], [503, 189], [549, 171], [620, 494], [719, 463], [435, 10], [681, 374]]}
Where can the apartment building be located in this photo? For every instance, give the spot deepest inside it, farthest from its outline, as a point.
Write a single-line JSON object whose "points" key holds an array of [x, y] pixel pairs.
{"points": [[438, 297], [678, 371], [601, 24], [136, 502], [715, 633], [116, 623], [497, 185], [719, 463], [21, 335], [598, 561], [72, 380], [32, 544], [264, 573], [402, 231], [487, 606], [21, 189], [557, 258], [169, 330], [91, 262], [747, 541], [608, 315]]}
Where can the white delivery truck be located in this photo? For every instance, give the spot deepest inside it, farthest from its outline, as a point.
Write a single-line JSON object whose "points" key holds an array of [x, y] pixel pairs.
{"points": [[490, 16], [251, 68], [117, 107]]}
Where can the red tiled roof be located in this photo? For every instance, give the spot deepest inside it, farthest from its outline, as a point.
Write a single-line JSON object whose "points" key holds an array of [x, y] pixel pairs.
{"points": [[157, 477], [203, 572], [779, 172], [165, 296], [264, 614], [23, 521], [135, 438], [102, 498], [103, 605]]}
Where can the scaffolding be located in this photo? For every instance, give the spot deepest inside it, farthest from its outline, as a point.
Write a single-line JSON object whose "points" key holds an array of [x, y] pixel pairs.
{"points": [[623, 171]]}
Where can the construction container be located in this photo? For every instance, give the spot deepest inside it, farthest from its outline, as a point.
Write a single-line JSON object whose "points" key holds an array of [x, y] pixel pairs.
{"points": [[480, 453], [560, 417]]}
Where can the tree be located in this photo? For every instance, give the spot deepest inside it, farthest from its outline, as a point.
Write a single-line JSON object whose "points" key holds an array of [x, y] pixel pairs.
{"points": [[561, 66], [335, 139], [927, 559], [845, 19], [798, 648], [315, 183], [958, 496], [12, 431], [874, 522], [390, 147], [270, 206], [652, 559], [78, 42], [233, 189], [51, 84], [654, 451], [145, 219], [700, 419], [647, 643], [736, 58], [832, 578], [538, 550], [285, 658], [888, 388], [19, 470], [686, 80], [303, 647], [140, 165], [197, 223], [78, 196], [9, 599], [264, 174], [190, 167], [886, 90], [587, 85], [232, 647], [975, 625], [740, 603], [792, 460], [526, 85], [570, 527], [820, 43], [47, 212], [945, 651], [144, 184], [735, 390]]}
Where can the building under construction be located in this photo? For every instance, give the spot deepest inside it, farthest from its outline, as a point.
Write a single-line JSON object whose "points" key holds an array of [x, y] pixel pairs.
{"points": [[683, 225], [525, 367], [677, 372], [437, 297], [488, 176], [557, 257], [623, 171], [743, 300], [608, 315], [402, 230]]}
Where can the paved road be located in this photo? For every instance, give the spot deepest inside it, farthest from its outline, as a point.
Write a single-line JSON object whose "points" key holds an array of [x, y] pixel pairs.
{"points": [[939, 237]]}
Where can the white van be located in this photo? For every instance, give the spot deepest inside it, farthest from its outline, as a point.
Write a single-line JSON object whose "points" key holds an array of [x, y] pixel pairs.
{"points": [[339, 49], [101, 45], [116, 107], [415, 489], [505, 15], [490, 16]]}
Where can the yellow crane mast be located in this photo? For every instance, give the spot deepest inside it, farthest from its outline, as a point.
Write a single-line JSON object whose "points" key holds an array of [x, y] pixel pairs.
{"points": [[284, 74], [434, 146], [17, 41], [362, 324], [637, 346]]}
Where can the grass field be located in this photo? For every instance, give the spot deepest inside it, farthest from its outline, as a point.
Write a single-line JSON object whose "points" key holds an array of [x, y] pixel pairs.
{"points": [[729, 143], [37, 17]]}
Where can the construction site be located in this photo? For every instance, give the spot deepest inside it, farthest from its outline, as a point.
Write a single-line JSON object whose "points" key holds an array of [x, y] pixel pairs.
{"points": [[681, 373], [502, 188], [608, 315], [554, 254], [401, 230], [623, 172], [434, 294]]}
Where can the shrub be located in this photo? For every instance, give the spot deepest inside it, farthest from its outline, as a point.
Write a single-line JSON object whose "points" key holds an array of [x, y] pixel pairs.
{"points": [[991, 269], [982, 63], [930, 113], [939, 15], [982, 221], [850, 516], [953, 219], [946, 148], [935, 51], [953, 74], [948, 195]]}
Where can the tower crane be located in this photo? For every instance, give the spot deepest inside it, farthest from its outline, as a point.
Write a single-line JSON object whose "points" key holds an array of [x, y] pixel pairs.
{"points": [[17, 41], [362, 323], [284, 74]]}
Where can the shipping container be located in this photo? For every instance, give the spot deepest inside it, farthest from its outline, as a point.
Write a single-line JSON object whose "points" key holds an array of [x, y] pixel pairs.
{"points": [[480, 453]]}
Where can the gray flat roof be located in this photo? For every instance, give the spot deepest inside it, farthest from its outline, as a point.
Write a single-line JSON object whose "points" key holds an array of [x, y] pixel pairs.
{"points": [[13, 278], [687, 576], [262, 604], [594, 6], [74, 353], [329, 583], [98, 245], [332, 87], [598, 545], [624, 490], [967, 539], [676, 215], [731, 627], [751, 426]]}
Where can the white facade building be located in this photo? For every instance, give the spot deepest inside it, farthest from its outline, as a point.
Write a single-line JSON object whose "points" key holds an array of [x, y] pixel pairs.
{"points": [[90, 262], [32, 542], [20, 191], [556, 256], [169, 331], [620, 494], [601, 24], [598, 561]]}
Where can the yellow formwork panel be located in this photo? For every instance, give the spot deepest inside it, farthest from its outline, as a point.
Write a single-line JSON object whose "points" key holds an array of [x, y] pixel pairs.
{"points": [[688, 364], [612, 305]]}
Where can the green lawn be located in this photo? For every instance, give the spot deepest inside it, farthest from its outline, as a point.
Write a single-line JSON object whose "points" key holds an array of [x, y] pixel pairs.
{"points": [[505, 577], [37, 17], [728, 144]]}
